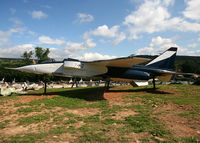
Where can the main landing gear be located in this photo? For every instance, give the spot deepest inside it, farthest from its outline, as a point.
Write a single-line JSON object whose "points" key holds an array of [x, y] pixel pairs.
{"points": [[45, 84], [107, 85], [154, 83], [74, 82]]}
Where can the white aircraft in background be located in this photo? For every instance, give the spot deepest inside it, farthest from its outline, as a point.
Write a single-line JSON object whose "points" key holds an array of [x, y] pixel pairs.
{"points": [[119, 69]]}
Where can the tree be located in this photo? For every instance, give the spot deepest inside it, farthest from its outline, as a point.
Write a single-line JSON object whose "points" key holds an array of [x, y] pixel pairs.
{"points": [[27, 56], [190, 66], [42, 54]]}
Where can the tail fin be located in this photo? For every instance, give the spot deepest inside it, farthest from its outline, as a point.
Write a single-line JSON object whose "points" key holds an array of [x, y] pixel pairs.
{"points": [[165, 60]]}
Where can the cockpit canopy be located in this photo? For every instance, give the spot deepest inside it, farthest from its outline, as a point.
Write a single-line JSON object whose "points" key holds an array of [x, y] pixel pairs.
{"points": [[49, 61], [55, 61]]}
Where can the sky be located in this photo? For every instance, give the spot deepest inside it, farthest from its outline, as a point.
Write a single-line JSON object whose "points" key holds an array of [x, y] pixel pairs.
{"points": [[99, 29]]}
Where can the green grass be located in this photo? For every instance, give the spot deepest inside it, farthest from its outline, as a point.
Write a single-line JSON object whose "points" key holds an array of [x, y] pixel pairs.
{"points": [[5, 99], [93, 137], [73, 98], [114, 109], [27, 110], [143, 122], [92, 119], [188, 140], [34, 119], [110, 121], [4, 123], [186, 95], [1, 113], [103, 125]]}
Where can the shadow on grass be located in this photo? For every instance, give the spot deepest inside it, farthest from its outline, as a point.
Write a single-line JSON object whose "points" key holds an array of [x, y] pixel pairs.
{"points": [[148, 90], [88, 94], [91, 94]]}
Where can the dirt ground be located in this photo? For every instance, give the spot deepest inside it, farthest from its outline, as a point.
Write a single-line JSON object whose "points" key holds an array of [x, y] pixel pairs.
{"points": [[179, 126]]}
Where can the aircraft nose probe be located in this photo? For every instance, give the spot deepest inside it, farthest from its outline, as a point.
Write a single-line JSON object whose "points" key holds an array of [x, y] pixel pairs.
{"points": [[30, 68]]}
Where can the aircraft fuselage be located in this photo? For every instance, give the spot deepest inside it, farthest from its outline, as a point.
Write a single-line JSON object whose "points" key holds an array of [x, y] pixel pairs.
{"points": [[85, 71]]}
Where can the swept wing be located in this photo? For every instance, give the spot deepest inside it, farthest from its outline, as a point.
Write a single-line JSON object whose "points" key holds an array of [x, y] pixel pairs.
{"points": [[125, 62]]}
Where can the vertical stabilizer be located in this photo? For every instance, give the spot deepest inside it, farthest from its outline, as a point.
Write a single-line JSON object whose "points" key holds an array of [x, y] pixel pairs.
{"points": [[165, 60]]}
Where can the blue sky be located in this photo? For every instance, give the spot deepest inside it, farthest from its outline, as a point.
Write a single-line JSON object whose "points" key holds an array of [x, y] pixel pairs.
{"points": [[99, 29]]}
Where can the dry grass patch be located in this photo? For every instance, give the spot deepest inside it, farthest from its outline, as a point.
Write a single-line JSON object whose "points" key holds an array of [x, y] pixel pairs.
{"points": [[83, 111], [122, 114]]}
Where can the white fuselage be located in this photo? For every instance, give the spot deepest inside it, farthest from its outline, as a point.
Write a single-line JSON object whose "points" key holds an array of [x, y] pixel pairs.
{"points": [[66, 68]]}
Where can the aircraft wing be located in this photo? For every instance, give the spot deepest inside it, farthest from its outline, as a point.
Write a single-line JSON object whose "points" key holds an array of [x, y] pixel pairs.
{"points": [[119, 62]]}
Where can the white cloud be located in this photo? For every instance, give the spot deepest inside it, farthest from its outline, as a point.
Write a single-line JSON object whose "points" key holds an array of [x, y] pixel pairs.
{"points": [[46, 6], [120, 37], [193, 45], [12, 10], [48, 40], [198, 52], [89, 43], [153, 16], [38, 14], [103, 31], [186, 26], [145, 51], [59, 54], [19, 30], [5, 38], [157, 45], [31, 32], [16, 21], [6, 35], [71, 49], [95, 56], [149, 18], [82, 17], [192, 10], [16, 51], [106, 32], [168, 2], [158, 41], [4, 41]]}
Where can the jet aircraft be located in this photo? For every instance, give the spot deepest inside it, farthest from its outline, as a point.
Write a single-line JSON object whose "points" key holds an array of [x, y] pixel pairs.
{"points": [[120, 69]]}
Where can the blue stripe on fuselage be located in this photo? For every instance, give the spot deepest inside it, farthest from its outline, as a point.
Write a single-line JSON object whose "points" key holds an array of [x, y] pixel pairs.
{"points": [[127, 73]]}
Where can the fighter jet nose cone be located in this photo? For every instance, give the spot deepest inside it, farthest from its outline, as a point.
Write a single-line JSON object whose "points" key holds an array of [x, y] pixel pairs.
{"points": [[30, 68]]}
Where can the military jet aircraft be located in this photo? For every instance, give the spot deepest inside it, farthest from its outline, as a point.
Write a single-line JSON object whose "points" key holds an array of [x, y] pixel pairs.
{"points": [[119, 69]]}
